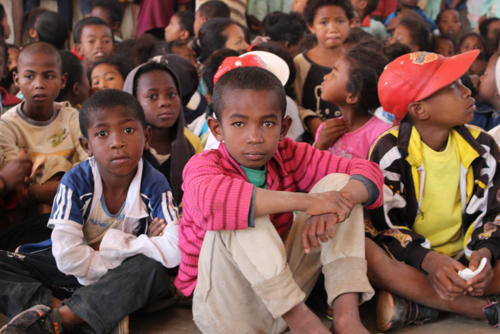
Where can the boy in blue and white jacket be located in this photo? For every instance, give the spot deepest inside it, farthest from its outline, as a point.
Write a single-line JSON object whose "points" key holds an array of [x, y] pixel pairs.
{"points": [[114, 232]]}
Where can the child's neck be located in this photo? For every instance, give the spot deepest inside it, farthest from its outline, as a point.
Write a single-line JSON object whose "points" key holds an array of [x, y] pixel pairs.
{"points": [[434, 137], [39, 114], [115, 190], [162, 139], [353, 118], [324, 56]]}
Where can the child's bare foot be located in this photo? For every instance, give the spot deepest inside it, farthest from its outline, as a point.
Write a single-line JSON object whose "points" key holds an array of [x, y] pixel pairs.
{"points": [[301, 319]]}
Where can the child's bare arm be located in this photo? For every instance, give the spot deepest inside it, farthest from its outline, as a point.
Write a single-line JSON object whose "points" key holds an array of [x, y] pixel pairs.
{"points": [[44, 193]]}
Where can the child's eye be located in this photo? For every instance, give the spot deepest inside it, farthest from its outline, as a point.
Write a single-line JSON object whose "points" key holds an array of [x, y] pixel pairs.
{"points": [[110, 78], [238, 124], [29, 76], [102, 133], [268, 124], [91, 41], [129, 130], [172, 95], [50, 76], [152, 96]]}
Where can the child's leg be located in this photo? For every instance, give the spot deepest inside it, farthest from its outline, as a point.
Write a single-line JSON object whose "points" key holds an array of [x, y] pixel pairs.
{"points": [[410, 283], [342, 259], [21, 279], [125, 289]]}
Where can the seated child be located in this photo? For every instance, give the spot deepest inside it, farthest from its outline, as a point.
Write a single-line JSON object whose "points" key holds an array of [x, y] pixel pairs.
{"points": [[108, 73], [7, 99], [110, 11], [93, 40], [221, 33], [51, 28], [440, 212], [352, 86], [238, 205], [114, 233], [413, 32], [487, 114], [311, 66], [156, 87], [209, 10], [184, 50], [471, 41], [77, 86], [364, 8], [180, 27], [287, 29], [48, 131], [444, 45], [448, 21]]}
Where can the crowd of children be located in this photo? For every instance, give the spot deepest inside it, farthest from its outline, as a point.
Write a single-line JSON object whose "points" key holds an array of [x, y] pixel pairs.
{"points": [[228, 164]]}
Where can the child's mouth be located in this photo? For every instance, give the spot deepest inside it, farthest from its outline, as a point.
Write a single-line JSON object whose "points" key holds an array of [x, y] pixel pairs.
{"points": [[39, 98]]}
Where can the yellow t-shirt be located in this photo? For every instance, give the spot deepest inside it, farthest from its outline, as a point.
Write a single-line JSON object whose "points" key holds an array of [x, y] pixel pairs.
{"points": [[440, 216]]}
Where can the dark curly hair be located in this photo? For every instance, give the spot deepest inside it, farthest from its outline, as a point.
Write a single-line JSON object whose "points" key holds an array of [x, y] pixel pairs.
{"points": [[312, 7]]}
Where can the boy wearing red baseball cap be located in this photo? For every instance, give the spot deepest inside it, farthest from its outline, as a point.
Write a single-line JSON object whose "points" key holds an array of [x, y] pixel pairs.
{"points": [[440, 215]]}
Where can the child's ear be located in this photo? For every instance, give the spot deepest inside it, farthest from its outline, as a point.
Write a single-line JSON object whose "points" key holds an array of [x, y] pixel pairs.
{"points": [[148, 134], [215, 127], [417, 111], [184, 35], [352, 99], [32, 34], [84, 142], [64, 78], [15, 77], [311, 29], [78, 48], [285, 126]]}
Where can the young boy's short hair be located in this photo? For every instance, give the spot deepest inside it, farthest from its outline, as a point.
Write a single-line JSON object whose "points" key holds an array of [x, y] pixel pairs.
{"points": [[186, 19], [416, 76], [247, 78], [213, 9], [88, 21], [109, 98], [74, 67], [312, 7], [419, 31], [122, 65], [113, 8], [42, 47], [52, 29], [286, 27]]}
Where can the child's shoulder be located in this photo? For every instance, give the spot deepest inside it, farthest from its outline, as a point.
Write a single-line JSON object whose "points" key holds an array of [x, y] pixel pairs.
{"points": [[80, 178]]}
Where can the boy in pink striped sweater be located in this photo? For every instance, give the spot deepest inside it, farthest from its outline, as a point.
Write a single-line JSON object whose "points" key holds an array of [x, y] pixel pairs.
{"points": [[249, 260]]}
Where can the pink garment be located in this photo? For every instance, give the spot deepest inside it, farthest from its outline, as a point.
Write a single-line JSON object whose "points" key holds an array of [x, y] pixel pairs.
{"points": [[356, 144], [155, 14], [217, 194]]}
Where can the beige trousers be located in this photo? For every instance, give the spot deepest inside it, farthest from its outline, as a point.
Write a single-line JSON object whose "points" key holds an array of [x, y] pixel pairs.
{"points": [[247, 279]]}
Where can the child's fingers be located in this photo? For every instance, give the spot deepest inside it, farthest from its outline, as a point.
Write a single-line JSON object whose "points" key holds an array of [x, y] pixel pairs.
{"points": [[312, 235], [304, 236], [321, 230]]}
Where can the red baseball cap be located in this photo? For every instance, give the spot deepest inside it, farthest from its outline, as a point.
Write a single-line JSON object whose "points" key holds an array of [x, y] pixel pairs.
{"points": [[416, 76]]}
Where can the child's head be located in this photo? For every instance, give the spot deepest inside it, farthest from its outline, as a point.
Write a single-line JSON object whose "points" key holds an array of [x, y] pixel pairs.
{"points": [[487, 29], [13, 51], [211, 65], [77, 85], [425, 87], [414, 33], [113, 132], [329, 20], [156, 87], [209, 10], [108, 73], [4, 22], [364, 7], [444, 45], [249, 103], [39, 75], [51, 28], [488, 92], [29, 22], [184, 70], [180, 27], [353, 79], [110, 11], [471, 41], [286, 28], [448, 21], [221, 33], [93, 39], [182, 49]]}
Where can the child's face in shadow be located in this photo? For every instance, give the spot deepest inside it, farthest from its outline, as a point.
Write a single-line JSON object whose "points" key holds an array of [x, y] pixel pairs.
{"points": [[445, 47], [334, 85], [106, 76], [487, 85], [96, 43], [402, 34], [158, 96], [251, 125], [235, 38], [39, 78], [13, 54], [330, 26], [450, 23], [116, 139], [470, 43]]}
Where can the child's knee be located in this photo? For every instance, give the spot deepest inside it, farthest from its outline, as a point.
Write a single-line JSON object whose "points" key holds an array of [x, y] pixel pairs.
{"points": [[331, 182]]}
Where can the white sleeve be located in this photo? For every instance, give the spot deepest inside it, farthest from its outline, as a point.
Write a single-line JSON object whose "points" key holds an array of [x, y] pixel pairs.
{"points": [[74, 257], [117, 245]]}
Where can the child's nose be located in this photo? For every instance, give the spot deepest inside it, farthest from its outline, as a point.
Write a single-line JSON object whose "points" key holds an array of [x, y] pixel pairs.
{"points": [[117, 141], [255, 135]]}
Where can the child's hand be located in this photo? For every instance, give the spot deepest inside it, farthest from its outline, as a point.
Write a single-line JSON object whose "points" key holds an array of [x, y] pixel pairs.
{"points": [[320, 226], [331, 131], [15, 173], [477, 284], [156, 227], [443, 273]]}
